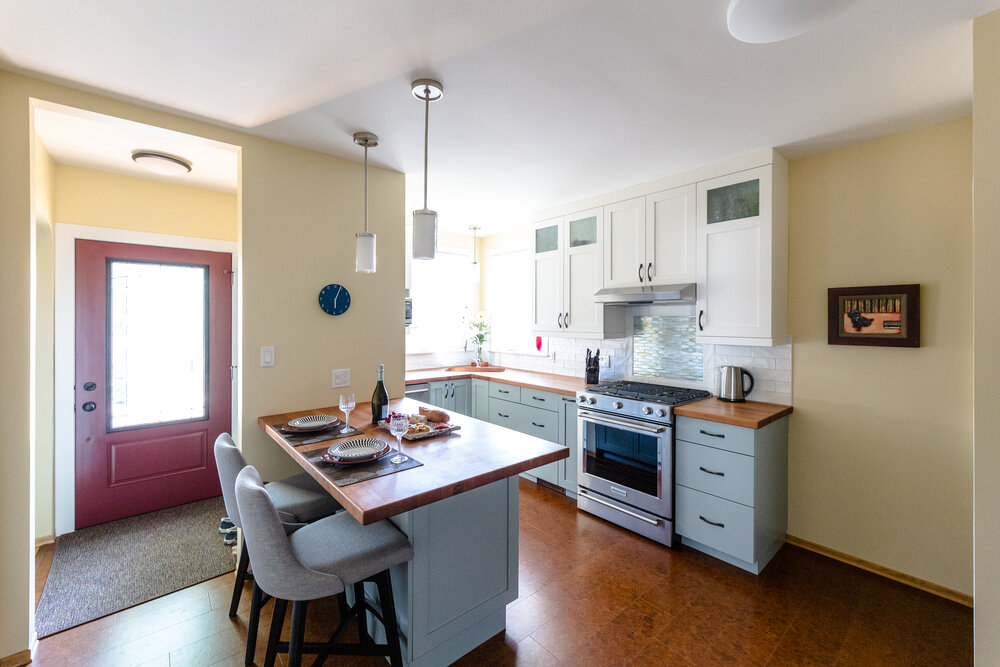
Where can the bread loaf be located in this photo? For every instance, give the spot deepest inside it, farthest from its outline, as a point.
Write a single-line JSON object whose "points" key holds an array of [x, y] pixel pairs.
{"points": [[439, 416]]}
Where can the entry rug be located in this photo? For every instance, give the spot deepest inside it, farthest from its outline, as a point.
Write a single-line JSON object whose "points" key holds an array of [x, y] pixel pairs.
{"points": [[103, 569], [352, 474]]}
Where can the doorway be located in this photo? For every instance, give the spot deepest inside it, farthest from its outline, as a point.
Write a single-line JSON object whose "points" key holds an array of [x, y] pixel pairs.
{"points": [[153, 365]]}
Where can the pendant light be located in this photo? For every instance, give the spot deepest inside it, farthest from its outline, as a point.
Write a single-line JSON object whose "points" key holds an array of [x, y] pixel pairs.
{"points": [[364, 259], [425, 220], [476, 277]]}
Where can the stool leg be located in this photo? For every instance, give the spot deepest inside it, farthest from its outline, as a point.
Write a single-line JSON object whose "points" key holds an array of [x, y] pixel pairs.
{"points": [[277, 621], [256, 602], [298, 632], [384, 583], [359, 599], [241, 577]]}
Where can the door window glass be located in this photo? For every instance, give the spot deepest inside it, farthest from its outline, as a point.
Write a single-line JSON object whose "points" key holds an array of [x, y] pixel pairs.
{"points": [[157, 343]]}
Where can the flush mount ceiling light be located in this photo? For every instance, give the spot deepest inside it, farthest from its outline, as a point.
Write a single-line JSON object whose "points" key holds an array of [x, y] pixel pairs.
{"points": [[765, 21], [364, 258], [160, 162], [425, 220]]}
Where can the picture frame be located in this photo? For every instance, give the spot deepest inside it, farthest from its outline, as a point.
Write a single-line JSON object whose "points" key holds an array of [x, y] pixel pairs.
{"points": [[881, 315]]}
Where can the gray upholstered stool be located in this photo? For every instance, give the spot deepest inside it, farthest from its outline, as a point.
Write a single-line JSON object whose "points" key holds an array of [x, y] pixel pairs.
{"points": [[317, 561], [299, 499]]}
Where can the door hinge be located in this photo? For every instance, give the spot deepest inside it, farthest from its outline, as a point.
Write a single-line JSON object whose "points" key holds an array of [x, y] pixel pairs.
{"points": [[232, 371]]}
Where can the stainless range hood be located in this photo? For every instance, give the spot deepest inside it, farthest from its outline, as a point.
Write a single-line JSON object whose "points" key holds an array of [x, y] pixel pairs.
{"points": [[647, 294]]}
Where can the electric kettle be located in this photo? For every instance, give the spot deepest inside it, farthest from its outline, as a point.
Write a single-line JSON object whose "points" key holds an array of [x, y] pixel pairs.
{"points": [[731, 384]]}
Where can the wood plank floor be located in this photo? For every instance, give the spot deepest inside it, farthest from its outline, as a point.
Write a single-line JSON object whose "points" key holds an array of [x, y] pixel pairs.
{"points": [[592, 594]]}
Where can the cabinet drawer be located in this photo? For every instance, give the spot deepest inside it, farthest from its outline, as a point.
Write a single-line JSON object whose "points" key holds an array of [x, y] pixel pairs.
{"points": [[721, 436], [540, 423], [505, 413], [540, 399], [507, 392], [715, 471], [731, 527]]}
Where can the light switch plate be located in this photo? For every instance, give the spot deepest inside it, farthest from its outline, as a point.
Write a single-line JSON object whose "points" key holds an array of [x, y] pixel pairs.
{"points": [[266, 357], [341, 377]]}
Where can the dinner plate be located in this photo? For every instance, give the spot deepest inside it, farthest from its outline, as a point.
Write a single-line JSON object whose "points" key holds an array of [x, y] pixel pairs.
{"points": [[312, 422], [326, 456], [358, 448]]}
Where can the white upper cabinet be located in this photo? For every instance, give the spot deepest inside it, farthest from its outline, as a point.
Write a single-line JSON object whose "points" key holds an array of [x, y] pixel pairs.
{"points": [[742, 257], [650, 239], [567, 272], [624, 243], [670, 236]]}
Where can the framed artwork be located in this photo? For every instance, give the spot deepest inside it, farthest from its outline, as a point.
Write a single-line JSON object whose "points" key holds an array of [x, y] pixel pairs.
{"points": [[887, 315]]}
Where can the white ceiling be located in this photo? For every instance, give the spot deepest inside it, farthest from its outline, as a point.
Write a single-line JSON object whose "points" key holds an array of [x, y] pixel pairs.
{"points": [[546, 101]]}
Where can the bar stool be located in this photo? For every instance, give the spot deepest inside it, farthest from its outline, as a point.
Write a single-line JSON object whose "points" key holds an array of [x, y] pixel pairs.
{"points": [[317, 561], [298, 499]]}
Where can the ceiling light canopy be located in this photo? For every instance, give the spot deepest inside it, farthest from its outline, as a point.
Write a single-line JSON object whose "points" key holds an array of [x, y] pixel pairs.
{"points": [[425, 220], [765, 21], [161, 163]]}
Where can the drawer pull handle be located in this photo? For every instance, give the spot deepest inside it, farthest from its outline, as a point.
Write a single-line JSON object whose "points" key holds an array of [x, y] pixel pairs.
{"points": [[502, 391], [712, 523], [711, 472], [535, 398], [538, 425], [714, 435], [503, 415]]}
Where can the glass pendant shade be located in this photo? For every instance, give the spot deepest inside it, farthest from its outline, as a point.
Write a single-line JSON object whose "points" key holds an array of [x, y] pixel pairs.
{"points": [[364, 260], [425, 225]]}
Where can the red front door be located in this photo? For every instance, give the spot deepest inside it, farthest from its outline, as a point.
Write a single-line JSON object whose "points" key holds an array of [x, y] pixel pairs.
{"points": [[153, 388]]}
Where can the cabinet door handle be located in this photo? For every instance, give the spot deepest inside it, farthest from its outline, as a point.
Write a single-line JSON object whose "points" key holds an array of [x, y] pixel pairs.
{"points": [[566, 320], [711, 472], [503, 415], [640, 272], [701, 327], [538, 425], [559, 320], [452, 390], [649, 272], [712, 523], [714, 435]]}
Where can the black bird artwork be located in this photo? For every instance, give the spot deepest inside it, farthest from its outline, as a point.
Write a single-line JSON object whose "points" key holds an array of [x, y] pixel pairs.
{"points": [[858, 320]]}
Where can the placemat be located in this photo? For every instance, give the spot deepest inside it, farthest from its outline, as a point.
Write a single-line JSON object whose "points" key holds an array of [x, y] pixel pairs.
{"points": [[352, 474], [313, 437]]}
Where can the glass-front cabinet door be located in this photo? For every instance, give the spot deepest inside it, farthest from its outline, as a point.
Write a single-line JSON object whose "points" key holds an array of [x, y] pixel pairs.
{"points": [[582, 272], [546, 263]]}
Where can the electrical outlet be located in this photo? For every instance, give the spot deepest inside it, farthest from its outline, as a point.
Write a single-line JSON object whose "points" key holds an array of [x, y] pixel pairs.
{"points": [[606, 360], [341, 377], [266, 357]]}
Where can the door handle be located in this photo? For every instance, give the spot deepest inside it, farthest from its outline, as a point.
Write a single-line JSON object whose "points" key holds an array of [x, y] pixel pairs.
{"points": [[89, 406], [640, 272], [649, 272]]}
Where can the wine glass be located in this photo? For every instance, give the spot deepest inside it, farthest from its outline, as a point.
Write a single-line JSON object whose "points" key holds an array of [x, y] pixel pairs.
{"points": [[346, 405], [397, 426]]}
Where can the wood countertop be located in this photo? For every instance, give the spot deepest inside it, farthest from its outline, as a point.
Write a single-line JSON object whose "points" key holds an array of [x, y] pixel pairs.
{"points": [[752, 414], [478, 454], [558, 384]]}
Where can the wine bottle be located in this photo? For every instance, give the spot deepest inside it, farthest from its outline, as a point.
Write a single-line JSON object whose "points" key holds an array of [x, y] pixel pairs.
{"points": [[380, 398]]}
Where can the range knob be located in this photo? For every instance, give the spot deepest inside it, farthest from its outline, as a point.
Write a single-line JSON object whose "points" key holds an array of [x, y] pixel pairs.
{"points": [[592, 400], [647, 410], [583, 399], [617, 405], [661, 413]]}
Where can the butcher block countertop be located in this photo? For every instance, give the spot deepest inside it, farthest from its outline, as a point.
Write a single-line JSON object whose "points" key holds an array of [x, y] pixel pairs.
{"points": [[751, 414], [478, 454], [558, 384]]}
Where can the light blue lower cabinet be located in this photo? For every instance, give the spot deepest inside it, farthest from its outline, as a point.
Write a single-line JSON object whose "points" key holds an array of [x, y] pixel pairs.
{"points": [[479, 401], [568, 437], [453, 395], [731, 490]]}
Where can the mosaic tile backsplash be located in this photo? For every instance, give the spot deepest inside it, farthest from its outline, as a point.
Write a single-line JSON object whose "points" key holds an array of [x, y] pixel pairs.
{"points": [[664, 346]]}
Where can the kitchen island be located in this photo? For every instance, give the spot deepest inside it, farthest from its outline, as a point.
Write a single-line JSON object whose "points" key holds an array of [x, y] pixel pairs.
{"points": [[460, 512]]}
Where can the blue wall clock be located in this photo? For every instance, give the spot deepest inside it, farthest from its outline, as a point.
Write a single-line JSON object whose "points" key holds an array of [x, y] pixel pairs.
{"points": [[334, 299]]}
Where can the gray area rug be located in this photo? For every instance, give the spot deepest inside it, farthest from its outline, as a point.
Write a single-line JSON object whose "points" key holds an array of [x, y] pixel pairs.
{"points": [[99, 570]]}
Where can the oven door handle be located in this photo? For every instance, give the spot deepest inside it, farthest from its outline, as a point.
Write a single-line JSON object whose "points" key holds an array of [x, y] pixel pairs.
{"points": [[629, 426], [586, 495]]}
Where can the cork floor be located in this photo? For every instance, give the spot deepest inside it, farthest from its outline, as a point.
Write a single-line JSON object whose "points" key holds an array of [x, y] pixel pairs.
{"points": [[591, 594]]}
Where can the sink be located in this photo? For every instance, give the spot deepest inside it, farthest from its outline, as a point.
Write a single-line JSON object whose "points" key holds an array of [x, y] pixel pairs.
{"points": [[476, 369]]}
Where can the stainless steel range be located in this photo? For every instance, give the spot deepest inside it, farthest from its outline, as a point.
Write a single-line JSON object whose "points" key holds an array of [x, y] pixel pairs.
{"points": [[626, 439]]}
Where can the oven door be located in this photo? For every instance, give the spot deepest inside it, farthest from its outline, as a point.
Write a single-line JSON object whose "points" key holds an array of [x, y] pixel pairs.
{"points": [[628, 460]]}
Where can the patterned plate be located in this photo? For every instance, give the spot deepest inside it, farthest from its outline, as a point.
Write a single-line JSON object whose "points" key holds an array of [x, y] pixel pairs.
{"points": [[312, 422], [348, 462], [358, 448]]}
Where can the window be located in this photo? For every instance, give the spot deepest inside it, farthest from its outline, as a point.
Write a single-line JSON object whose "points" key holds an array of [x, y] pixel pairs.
{"points": [[442, 289], [508, 299]]}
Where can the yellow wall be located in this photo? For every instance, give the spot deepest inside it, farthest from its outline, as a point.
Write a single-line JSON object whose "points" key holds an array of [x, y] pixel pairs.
{"points": [[986, 241], [43, 183], [880, 445], [298, 212], [102, 199]]}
